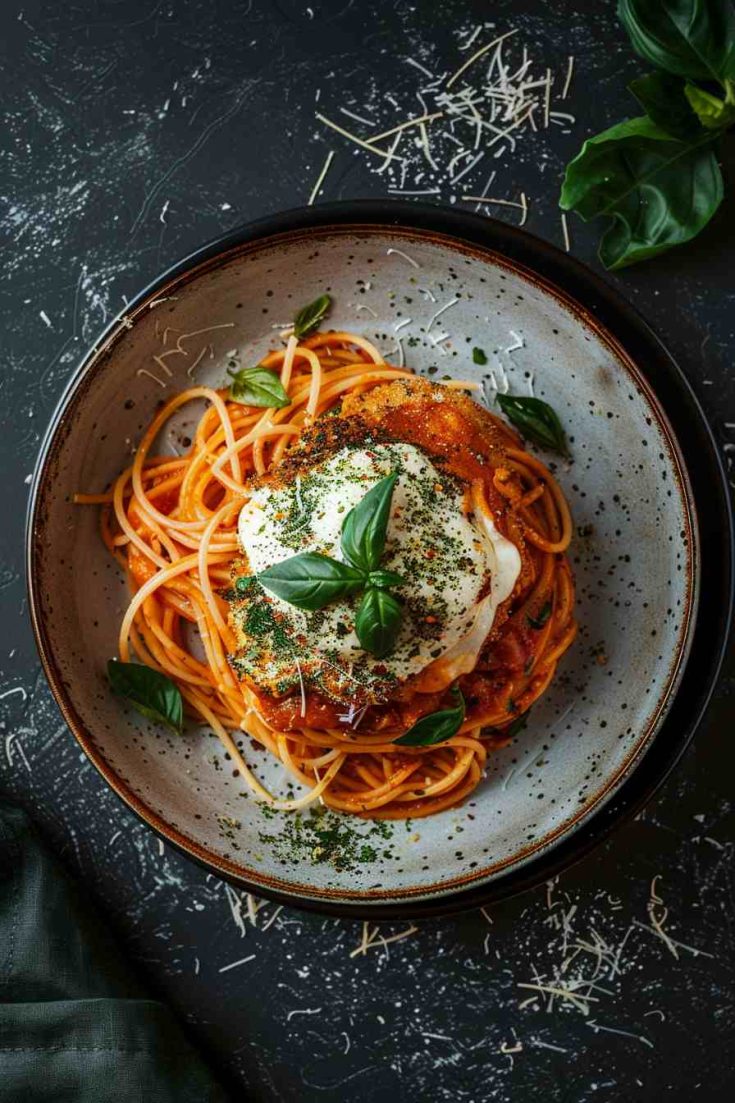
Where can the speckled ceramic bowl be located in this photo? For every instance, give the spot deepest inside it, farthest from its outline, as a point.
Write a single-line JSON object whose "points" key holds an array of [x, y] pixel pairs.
{"points": [[651, 555]]}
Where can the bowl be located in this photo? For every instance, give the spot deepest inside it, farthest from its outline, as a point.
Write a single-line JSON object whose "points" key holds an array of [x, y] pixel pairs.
{"points": [[652, 554]]}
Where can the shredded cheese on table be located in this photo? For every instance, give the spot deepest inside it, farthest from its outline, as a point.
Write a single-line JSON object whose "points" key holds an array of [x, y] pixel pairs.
{"points": [[496, 99]]}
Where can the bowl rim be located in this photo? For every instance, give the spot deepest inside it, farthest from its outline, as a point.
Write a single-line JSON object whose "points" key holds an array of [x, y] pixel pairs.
{"points": [[708, 635]]}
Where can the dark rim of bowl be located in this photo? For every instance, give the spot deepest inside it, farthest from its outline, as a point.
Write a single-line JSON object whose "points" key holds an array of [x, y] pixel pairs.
{"points": [[704, 467]]}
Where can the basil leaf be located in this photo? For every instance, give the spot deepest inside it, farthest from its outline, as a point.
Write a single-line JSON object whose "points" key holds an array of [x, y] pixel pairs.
{"points": [[378, 622], [437, 727], [479, 356], [659, 192], [383, 580], [662, 97], [535, 420], [310, 316], [365, 526], [540, 619], [691, 38], [310, 581], [149, 692], [712, 112], [258, 387]]}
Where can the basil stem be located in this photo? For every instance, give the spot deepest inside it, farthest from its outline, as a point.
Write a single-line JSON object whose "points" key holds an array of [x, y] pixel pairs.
{"points": [[383, 580], [713, 112]]}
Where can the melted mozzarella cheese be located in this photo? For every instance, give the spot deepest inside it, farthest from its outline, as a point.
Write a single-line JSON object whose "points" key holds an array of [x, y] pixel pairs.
{"points": [[457, 569]]}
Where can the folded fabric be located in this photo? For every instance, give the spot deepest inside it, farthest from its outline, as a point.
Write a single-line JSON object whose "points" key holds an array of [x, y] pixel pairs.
{"points": [[75, 1027]]}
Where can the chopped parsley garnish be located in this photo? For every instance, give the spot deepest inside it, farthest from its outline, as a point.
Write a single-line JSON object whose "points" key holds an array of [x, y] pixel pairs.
{"points": [[322, 837]]}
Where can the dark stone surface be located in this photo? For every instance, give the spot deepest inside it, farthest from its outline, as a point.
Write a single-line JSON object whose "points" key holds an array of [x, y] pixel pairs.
{"points": [[133, 132]]}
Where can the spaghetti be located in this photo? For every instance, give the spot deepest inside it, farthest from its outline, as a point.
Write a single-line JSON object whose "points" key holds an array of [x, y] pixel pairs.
{"points": [[171, 524]]}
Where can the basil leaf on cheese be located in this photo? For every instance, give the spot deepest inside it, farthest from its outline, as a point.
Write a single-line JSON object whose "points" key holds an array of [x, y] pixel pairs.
{"points": [[311, 580], [365, 526], [258, 387], [311, 316], [149, 692], [437, 727], [378, 622]]}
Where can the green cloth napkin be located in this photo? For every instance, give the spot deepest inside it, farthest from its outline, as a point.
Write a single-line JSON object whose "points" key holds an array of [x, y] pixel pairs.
{"points": [[75, 1027]]}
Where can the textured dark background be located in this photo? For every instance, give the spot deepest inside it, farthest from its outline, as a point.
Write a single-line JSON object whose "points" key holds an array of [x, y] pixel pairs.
{"points": [[135, 130]]}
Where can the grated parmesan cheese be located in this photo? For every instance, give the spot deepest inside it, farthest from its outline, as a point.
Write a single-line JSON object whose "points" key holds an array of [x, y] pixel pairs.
{"points": [[497, 99]]}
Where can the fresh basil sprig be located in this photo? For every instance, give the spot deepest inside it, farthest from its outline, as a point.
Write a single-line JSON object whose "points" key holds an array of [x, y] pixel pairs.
{"points": [[311, 581], [535, 419], [311, 316], [258, 387], [437, 727], [657, 176], [378, 621], [149, 692], [619, 172], [365, 526]]}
